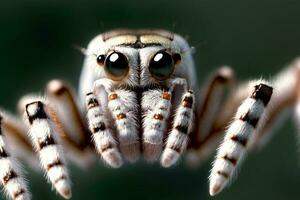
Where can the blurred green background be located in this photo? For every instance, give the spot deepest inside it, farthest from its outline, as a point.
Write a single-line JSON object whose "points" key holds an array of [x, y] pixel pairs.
{"points": [[256, 37]]}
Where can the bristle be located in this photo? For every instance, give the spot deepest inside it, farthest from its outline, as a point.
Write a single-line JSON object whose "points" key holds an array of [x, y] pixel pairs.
{"points": [[178, 138], [103, 138], [237, 136], [43, 134]]}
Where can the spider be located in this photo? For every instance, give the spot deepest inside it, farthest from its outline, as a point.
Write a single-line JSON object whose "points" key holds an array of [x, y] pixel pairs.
{"points": [[137, 99]]}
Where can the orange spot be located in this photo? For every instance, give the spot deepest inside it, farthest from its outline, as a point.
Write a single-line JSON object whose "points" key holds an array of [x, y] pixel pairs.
{"points": [[166, 95], [186, 104], [112, 96], [121, 116], [158, 117]]}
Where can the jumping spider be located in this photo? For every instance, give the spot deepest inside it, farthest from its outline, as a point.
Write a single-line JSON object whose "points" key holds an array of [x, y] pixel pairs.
{"points": [[137, 93]]}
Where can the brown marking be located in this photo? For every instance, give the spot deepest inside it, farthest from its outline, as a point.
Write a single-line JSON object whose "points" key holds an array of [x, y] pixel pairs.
{"points": [[176, 148], [9, 176], [182, 129], [47, 142], [262, 92], [187, 102], [106, 147], [166, 95], [19, 193], [92, 103], [238, 139], [158, 117], [100, 127], [121, 116], [233, 161], [252, 121], [224, 174], [54, 164], [112, 96], [3, 153]]}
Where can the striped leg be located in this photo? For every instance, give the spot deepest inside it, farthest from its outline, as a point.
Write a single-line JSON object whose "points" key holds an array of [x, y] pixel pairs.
{"points": [[233, 148], [103, 138], [182, 125], [44, 139], [156, 105], [122, 104], [10, 174]]}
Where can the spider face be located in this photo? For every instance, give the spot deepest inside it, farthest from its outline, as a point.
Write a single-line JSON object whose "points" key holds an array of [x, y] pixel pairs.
{"points": [[139, 58], [134, 109]]}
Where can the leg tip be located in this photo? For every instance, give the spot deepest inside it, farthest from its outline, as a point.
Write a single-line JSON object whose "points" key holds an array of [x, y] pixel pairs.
{"points": [[169, 158]]}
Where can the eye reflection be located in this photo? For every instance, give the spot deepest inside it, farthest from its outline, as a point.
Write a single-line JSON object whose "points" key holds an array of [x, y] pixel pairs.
{"points": [[116, 65], [162, 65]]}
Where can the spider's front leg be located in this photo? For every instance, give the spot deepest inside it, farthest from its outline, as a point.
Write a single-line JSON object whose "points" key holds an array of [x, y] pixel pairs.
{"points": [[156, 105], [46, 142], [122, 105]]}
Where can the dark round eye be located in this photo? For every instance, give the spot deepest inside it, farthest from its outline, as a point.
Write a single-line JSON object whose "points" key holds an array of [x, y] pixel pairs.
{"points": [[116, 65], [100, 59], [161, 65]]}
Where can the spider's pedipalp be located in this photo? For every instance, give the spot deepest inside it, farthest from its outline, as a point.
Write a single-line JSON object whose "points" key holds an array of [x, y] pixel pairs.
{"points": [[103, 138], [178, 138], [44, 139], [10, 174], [233, 148], [122, 104], [156, 105]]}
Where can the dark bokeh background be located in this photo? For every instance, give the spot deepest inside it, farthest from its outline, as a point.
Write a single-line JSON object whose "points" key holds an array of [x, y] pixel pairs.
{"points": [[255, 37]]}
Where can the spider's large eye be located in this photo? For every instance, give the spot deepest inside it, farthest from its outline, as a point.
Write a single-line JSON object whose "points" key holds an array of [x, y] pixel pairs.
{"points": [[116, 65], [161, 65]]}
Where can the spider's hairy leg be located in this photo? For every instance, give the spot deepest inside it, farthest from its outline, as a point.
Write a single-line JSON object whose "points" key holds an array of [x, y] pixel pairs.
{"points": [[202, 140], [285, 99], [178, 138], [45, 140], [240, 131], [156, 105], [10, 174], [105, 143], [122, 104], [69, 123]]}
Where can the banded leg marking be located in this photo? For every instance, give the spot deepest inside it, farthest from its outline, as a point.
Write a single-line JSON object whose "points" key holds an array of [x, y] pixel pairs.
{"points": [[42, 133], [241, 130], [105, 143], [155, 122], [178, 138], [10, 174]]}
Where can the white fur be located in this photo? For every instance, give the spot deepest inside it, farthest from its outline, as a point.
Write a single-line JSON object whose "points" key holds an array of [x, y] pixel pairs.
{"points": [[14, 185], [101, 139], [183, 117], [39, 130], [231, 149]]}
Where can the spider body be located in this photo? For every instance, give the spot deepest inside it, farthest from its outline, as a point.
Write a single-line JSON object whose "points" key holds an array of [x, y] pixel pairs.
{"points": [[136, 100]]}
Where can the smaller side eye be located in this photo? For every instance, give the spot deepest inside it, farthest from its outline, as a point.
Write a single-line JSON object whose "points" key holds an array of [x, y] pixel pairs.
{"points": [[100, 59], [162, 65], [116, 65]]}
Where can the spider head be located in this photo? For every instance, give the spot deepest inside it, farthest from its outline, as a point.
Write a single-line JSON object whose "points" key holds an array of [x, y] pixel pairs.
{"points": [[137, 58]]}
